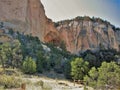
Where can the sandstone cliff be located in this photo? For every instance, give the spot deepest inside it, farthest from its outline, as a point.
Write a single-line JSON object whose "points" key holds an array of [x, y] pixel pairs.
{"points": [[84, 33], [79, 34], [27, 16]]}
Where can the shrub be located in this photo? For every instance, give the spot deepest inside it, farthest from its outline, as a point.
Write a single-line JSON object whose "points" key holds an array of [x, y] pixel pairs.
{"points": [[29, 66], [47, 87], [106, 76], [9, 81], [67, 69], [79, 68], [40, 83]]}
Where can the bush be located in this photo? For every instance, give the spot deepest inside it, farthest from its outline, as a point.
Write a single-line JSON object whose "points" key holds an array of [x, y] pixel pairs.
{"points": [[10, 81], [40, 83], [79, 68], [44, 86], [29, 66], [67, 69], [40, 62], [47, 87], [106, 76]]}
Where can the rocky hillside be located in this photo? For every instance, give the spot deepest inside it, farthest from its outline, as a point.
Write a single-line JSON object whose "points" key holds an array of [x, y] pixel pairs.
{"points": [[79, 34], [27, 16], [82, 33]]}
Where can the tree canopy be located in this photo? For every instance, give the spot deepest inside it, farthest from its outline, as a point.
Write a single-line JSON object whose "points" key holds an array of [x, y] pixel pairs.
{"points": [[79, 68], [106, 76]]}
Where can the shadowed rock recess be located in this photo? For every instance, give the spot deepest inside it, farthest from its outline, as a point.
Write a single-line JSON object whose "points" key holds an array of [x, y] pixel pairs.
{"points": [[79, 34], [28, 16]]}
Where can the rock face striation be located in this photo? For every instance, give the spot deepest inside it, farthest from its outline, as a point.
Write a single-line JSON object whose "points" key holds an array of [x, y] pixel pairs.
{"points": [[79, 34], [83, 33], [28, 16]]}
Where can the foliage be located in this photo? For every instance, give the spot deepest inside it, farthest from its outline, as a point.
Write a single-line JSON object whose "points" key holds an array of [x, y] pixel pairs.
{"points": [[46, 86], [92, 77], [107, 76], [40, 62], [67, 69], [10, 54], [10, 81], [39, 83], [15, 54], [29, 66], [56, 24], [79, 68], [30, 45], [26, 45], [1, 24], [3, 50], [57, 57], [91, 59], [95, 58]]}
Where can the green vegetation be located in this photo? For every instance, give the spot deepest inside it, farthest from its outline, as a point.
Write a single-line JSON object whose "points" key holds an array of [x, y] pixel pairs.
{"points": [[10, 81], [106, 76], [91, 59], [67, 69], [10, 54], [46, 56], [31, 56], [79, 68], [29, 66], [91, 78], [39, 83], [40, 62], [86, 18], [3, 55], [96, 58]]}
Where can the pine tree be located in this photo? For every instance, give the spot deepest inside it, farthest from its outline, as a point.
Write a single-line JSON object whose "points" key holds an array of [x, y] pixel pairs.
{"points": [[79, 68], [29, 66]]}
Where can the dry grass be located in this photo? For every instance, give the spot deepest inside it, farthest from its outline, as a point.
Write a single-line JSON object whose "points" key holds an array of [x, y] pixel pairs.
{"points": [[40, 82]]}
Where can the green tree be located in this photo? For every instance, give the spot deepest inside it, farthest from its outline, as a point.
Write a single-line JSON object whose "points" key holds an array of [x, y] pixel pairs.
{"points": [[91, 59], [79, 68], [16, 54], [92, 77], [13, 54], [109, 75], [2, 57], [67, 69], [40, 62], [4, 49], [29, 66], [105, 77]]}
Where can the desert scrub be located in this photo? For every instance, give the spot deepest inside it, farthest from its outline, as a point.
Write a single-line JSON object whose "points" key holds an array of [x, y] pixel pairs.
{"points": [[39, 83], [10, 81], [28, 82], [46, 86]]}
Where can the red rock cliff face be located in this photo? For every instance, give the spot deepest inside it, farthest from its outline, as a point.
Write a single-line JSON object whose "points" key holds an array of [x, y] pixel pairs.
{"points": [[40, 25], [28, 16], [84, 33], [79, 34]]}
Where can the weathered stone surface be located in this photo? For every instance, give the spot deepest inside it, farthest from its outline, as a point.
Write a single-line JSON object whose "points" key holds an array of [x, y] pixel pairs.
{"points": [[27, 16], [81, 34]]}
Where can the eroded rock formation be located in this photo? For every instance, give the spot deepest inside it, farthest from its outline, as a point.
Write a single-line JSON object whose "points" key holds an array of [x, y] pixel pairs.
{"points": [[79, 34], [28, 16], [84, 33]]}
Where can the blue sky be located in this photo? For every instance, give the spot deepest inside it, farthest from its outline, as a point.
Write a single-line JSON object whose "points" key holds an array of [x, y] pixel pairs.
{"points": [[66, 9]]}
